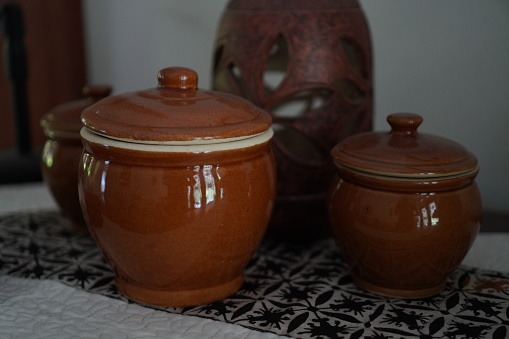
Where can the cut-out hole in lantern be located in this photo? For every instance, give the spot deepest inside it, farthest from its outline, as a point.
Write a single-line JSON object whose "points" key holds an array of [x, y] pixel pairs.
{"points": [[350, 90], [223, 81], [220, 81], [239, 80], [355, 56], [298, 104], [297, 144], [229, 79], [277, 64], [218, 55]]}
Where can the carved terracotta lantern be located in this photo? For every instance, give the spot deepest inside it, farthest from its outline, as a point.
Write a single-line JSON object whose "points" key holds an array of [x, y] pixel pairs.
{"points": [[309, 64]]}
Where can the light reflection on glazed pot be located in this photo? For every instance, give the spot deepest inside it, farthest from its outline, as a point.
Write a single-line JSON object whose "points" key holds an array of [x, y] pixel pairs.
{"points": [[177, 186], [62, 152], [59, 166], [410, 241], [200, 215], [404, 208]]}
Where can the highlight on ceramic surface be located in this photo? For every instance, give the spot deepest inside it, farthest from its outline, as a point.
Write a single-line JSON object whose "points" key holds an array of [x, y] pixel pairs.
{"points": [[62, 152], [177, 186], [404, 208]]}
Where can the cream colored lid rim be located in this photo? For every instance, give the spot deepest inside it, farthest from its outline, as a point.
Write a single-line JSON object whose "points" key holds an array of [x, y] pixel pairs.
{"points": [[193, 146]]}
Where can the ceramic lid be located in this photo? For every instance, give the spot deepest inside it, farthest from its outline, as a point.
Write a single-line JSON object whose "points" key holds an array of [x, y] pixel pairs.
{"points": [[175, 111], [404, 152], [67, 117]]}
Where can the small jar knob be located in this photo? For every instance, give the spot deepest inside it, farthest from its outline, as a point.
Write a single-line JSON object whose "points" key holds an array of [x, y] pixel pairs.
{"points": [[177, 78], [97, 92], [404, 123]]}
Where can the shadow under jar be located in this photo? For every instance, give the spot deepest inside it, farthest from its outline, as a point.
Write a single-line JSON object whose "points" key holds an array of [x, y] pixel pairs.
{"points": [[177, 186], [404, 208]]}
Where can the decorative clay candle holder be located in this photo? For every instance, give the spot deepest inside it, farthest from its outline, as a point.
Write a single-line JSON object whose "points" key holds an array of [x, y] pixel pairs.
{"points": [[177, 186], [62, 152], [308, 63], [405, 208]]}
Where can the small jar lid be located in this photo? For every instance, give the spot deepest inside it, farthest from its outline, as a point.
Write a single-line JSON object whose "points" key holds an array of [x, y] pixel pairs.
{"points": [[175, 111], [67, 117], [404, 152]]}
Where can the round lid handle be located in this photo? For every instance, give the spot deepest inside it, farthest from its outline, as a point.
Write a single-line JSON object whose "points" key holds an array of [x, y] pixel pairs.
{"points": [[177, 78], [404, 123], [97, 92]]}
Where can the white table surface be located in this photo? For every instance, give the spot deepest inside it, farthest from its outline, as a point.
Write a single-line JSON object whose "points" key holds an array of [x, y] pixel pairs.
{"points": [[43, 309]]}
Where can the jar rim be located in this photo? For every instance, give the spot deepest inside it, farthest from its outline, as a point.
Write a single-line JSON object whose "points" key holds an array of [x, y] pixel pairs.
{"points": [[192, 146]]}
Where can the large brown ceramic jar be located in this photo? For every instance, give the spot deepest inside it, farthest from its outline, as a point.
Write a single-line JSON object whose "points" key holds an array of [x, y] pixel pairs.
{"points": [[405, 208], [62, 152], [177, 186]]}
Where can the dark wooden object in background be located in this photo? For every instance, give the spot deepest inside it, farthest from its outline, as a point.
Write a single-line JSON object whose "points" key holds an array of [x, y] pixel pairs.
{"points": [[309, 64], [55, 61]]}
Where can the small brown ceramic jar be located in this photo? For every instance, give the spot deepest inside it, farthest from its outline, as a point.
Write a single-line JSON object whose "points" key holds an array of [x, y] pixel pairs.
{"points": [[62, 152], [177, 186], [404, 209]]}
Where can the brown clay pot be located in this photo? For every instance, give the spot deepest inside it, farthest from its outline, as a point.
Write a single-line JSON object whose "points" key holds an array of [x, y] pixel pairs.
{"points": [[62, 152], [177, 186], [404, 208]]}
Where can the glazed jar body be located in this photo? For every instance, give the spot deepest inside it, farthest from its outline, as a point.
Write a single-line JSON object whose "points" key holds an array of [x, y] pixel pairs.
{"points": [[179, 227], [62, 152], [60, 164], [403, 243]]}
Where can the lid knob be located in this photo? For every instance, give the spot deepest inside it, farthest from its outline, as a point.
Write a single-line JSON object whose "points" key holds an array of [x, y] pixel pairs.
{"points": [[177, 78], [404, 123], [97, 92]]}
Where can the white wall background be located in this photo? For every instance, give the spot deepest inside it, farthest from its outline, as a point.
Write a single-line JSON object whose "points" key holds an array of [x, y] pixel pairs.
{"points": [[446, 60]]}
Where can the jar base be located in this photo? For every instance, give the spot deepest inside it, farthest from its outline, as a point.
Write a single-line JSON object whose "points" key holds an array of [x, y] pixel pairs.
{"points": [[179, 297], [398, 293]]}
